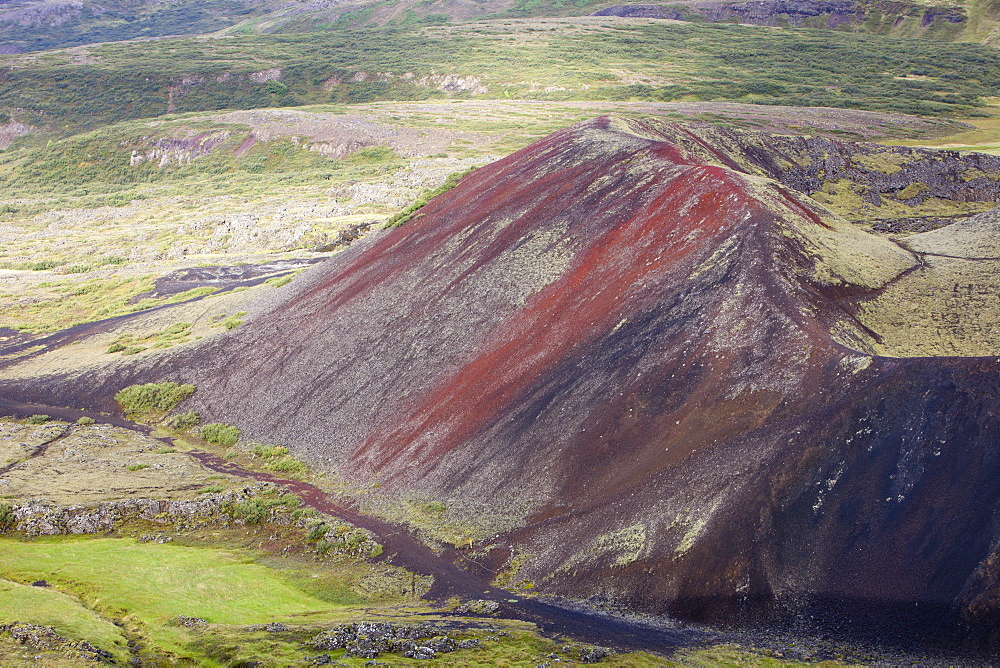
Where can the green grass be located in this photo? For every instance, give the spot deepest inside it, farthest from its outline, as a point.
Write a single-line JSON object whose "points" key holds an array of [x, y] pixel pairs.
{"points": [[154, 583], [152, 399], [413, 210], [145, 587], [70, 303], [71, 619], [220, 433]]}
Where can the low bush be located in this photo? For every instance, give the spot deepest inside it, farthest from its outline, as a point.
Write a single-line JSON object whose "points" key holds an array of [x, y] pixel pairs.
{"points": [[144, 400], [289, 466], [410, 211], [259, 508], [278, 460], [265, 451], [183, 421], [7, 519], [220, 433], [38, 419]]}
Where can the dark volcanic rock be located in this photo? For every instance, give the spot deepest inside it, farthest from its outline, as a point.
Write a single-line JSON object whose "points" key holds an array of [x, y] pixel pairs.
{"points": [[641, 11], [800, 13], [643, 353], [773, 12]]}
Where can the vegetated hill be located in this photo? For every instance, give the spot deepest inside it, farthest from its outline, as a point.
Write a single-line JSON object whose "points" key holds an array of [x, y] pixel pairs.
{"points": [[595, 58], [972, 20], [34, 25], [641, 371]]}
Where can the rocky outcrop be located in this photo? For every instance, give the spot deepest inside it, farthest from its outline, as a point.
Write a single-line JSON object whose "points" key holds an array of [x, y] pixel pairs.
{"points": [[177, 150], [793, 12], [12, 130], [639, 11], [368, 640], [449, 83], [38, 519], [47, 639], [800, 13]]}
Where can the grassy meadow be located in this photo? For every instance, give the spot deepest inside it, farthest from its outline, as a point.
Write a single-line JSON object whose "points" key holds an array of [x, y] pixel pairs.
{"points": [[131, 599]]}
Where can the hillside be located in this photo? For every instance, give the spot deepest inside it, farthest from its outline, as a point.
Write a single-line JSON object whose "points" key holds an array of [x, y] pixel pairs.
{"points": [[637, 370], [590, 58], [37, 25], [964, 21]]}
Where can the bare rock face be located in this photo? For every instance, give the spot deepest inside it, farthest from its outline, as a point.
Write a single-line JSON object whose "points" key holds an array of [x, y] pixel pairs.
{"points": [[39, 519], [638, 11], [646, 356], [800, 13]]}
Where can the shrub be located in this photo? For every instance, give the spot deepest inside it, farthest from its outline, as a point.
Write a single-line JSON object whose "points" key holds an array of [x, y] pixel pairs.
{"points": [[38, 419], [317, 532], [85, 420], [231, 322], [220, 434], [177, 328], [288, 465], [258, 509], [265, 451], [435, 507], [253, 511], [143, 400], [183, 421], [411, 211], [278, 460], [290, 500], [7, 519], [137, 467]]}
